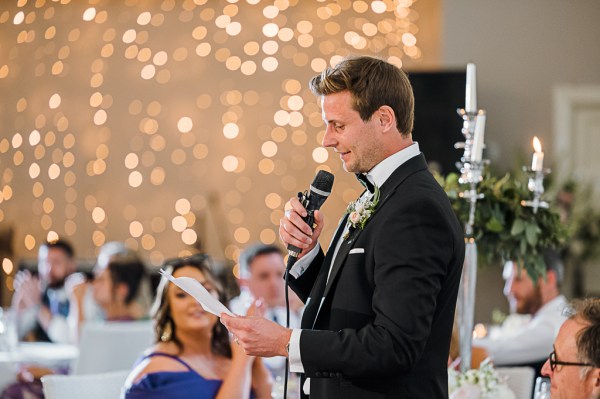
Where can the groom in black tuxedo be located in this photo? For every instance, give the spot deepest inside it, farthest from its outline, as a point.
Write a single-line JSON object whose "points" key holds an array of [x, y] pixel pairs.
{"points": [[380, 304]]}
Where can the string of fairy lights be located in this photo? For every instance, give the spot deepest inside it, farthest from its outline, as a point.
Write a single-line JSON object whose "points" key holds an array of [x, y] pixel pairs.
{"points": [[172, 124]]}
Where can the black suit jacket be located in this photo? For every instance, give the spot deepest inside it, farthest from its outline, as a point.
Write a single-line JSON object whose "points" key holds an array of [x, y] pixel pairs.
{"points": [[381, 326]]}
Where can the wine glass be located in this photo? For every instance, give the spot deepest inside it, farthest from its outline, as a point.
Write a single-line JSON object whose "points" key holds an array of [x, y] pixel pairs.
{"points": [[542, 388]]}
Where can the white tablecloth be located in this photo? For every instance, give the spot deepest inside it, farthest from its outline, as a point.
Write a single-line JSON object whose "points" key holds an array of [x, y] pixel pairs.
{"points": [[39, 353]]}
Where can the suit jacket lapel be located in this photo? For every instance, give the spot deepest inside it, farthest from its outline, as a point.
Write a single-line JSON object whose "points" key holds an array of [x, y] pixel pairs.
{"points": [[411, 166], [340, 257]]}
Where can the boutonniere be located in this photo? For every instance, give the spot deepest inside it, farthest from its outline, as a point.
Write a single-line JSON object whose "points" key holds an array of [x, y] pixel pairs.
{"points": [[360, 211]]}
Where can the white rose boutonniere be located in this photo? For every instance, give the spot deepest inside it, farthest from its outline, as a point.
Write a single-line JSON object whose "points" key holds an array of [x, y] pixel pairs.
{"points": [[360, 211]]}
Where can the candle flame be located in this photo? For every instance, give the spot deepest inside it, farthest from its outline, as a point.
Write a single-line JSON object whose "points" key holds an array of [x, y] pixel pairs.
{"points": [[537, 146]]}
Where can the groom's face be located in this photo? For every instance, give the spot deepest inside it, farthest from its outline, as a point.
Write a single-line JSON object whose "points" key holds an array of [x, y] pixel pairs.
{"points": [[355, 141]]}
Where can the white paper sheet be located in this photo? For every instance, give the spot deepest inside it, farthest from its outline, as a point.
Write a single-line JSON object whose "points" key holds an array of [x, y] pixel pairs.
{"points": [[199, 293]]}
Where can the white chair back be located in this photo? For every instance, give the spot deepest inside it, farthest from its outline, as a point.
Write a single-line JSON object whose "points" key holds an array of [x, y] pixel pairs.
{"points": [[112, 346], [91, 386], [8, 374], [519, 380]]}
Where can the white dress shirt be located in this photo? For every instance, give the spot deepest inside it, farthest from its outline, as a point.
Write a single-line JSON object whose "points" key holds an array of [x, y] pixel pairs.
{"points": [[530, 342], [378, 175]]}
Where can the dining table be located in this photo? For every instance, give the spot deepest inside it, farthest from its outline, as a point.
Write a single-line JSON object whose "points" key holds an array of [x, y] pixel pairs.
{"points": [[46, 354]]}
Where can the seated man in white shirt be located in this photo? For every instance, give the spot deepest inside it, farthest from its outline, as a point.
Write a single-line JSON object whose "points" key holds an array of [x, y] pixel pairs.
{"points": [[261, 277], [529, 343]]}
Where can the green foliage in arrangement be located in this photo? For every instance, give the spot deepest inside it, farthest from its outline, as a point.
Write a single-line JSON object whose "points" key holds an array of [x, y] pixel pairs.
{"points": [[583, 218], [504, 229]]}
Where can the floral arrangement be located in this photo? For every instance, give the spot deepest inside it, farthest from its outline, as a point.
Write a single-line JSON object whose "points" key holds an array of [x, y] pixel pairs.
{"points": [[504, 229], [481, 383], [360, 211]]}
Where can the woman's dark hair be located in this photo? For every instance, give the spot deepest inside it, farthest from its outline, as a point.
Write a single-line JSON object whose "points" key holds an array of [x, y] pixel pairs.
{"points": [[161, 310], [128, 269]]}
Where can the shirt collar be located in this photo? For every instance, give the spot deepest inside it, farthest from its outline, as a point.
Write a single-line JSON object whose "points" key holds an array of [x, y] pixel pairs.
{"points": [[383, 170]]}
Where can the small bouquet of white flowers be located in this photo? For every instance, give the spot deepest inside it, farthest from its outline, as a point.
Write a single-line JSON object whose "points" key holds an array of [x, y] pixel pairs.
{"points": [[360, 211], [481, 383]]}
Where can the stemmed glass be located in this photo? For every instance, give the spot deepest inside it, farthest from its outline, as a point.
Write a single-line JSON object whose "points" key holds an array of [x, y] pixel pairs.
{"points": [[8, 330]]}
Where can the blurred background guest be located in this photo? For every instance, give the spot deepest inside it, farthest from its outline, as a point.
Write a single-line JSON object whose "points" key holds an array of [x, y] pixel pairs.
{"points": [[118, 269], [261, 277], [83, 306], [528, 342], [193, 356], [574, 364], [41, 302], [117, 286]]}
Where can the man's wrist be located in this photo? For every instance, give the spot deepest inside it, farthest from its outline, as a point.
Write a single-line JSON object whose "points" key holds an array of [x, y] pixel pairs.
{"points": [[288, 338]]}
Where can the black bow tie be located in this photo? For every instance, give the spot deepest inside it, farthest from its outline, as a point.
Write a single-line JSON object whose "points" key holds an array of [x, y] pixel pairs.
{"points": [[365, 182]]}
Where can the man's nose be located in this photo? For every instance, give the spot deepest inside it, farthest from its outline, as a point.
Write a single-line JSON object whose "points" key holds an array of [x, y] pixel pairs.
{"points": [[546, 369], [328, 139]]}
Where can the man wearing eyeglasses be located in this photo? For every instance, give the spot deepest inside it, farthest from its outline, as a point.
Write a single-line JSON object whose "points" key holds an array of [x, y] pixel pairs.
{"points": [[574, 365]]}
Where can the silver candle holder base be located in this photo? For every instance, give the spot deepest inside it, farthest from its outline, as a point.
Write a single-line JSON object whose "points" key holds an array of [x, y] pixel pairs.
{"points": [[471, 174], [535, 184]]}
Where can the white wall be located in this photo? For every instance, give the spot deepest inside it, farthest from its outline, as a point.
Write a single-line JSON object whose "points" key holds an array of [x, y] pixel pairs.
{"points": [[522, 50]]}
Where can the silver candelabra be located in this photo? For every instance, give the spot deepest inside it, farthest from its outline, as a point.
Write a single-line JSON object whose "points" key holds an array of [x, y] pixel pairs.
{"points": [[471, 168]]}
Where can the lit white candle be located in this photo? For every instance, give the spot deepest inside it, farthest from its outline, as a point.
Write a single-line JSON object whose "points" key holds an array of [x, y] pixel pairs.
{"points": [[477, 148], [537, 162], [471, 89]]}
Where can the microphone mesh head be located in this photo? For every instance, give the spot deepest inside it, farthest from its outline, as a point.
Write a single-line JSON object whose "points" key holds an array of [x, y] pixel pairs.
{"points": [[323, 181]]}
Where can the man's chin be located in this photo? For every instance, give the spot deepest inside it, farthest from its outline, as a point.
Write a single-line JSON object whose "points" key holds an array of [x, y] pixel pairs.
{"points": [[348, 167]]}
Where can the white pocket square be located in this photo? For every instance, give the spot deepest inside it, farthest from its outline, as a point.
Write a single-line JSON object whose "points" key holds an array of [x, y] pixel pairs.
{"points": [[357, 251]]}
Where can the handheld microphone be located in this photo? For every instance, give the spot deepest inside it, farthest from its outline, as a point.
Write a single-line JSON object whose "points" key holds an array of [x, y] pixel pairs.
{"points": [[312, 201]]}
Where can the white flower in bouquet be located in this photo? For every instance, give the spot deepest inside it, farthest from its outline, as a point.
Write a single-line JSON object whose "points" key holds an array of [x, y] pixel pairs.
{"points": [[482, 383], [359, 207], [354, 217]]}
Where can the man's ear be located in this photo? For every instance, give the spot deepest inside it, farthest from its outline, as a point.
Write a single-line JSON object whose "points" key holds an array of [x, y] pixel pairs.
{"points": [[122, 291], [593, 379], [551, 277], [596, 380], [385, 117]]}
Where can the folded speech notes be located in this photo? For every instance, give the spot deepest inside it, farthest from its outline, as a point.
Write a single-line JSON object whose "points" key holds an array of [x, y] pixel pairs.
{"points": [[199, 293]]}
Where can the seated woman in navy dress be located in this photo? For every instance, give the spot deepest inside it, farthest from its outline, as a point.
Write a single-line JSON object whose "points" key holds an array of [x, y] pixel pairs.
{"points": [[193, 356]]}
